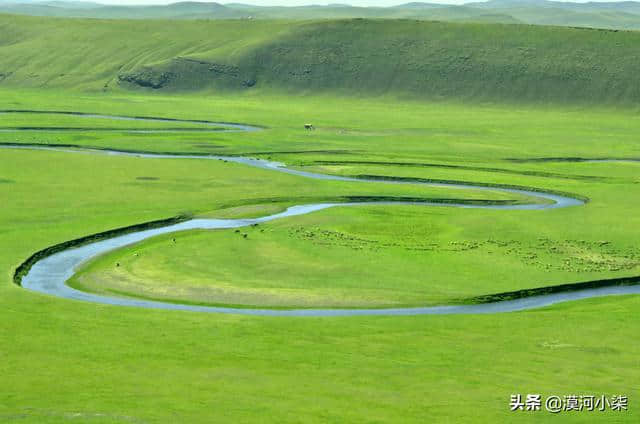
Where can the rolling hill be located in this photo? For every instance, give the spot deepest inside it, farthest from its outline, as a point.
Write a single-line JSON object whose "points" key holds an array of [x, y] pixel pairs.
{"points": [[612, 15], [417, 59]]}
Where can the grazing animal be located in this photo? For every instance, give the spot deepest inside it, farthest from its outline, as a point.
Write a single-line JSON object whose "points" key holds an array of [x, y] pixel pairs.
{"points": [[309, 127]]}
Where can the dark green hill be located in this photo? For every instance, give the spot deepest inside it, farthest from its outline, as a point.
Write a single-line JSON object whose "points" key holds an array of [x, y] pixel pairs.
{"points": [[424, 60]]}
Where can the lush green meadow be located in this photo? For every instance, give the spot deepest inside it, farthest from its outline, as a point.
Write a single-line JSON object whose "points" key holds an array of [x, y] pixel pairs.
{"points": [[67, 361], [387, 129]]}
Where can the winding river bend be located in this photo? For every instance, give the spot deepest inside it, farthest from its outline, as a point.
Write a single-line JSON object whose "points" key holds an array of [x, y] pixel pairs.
{"points": [[49, 274]]}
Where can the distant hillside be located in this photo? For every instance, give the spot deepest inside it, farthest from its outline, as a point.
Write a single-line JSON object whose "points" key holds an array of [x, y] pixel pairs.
{"points": [[423, 60], [612, 15]]}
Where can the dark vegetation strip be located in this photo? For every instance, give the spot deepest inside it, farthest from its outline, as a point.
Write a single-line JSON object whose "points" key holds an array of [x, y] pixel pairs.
{"points": [[156, 152], [426, 200], [24, 267], [465, 167], [470, 183], [362, 199], [568, 159], [142, 152], [302, 152], [563, 288], [107, 149], [148, 118], [213, 129]]}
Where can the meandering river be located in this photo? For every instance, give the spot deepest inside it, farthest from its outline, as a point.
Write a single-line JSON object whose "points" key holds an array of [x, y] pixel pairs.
{"points": [[49, 275]]}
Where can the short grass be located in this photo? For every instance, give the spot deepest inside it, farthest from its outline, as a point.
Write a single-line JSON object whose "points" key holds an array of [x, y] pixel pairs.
{"points": [[301, 263], [397, 256], [64, 360], [378, 129], [418, 60]]}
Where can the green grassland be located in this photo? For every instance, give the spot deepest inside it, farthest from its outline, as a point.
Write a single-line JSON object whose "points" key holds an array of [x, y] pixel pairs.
{"points": [[530, 93], [397, 256], [464, 258], [348, 129], [114, 364]]}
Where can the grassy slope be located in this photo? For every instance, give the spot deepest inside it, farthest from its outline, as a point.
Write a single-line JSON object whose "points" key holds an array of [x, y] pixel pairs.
{"points": [[423, 60], [434, 60], [96, 51]]}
